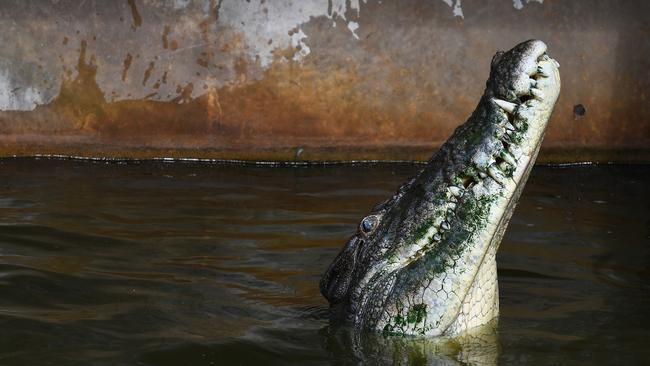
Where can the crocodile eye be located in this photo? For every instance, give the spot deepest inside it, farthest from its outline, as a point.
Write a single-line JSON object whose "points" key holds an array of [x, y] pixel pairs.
{"points": [[369, 223]]}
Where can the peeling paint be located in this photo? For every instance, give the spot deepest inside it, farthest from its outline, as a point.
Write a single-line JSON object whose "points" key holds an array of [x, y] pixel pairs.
{"points": [[181, 4], [307, 73], [457, 9], [137, 19], [518, 4], [13, 96], [298, 42], [275, 19], [353, 26]]}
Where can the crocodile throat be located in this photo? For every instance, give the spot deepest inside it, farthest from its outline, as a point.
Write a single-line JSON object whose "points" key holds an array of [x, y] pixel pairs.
{"points": [[423, 262]]}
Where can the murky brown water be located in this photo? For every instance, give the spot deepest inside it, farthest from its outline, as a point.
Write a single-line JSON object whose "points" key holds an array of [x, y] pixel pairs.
{"points": [[190, 264]]}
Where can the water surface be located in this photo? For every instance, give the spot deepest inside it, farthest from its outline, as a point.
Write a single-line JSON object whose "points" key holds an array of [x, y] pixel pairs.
{"points": [[192, 263]]}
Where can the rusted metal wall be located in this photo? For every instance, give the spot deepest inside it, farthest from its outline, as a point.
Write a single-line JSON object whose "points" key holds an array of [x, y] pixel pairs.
{"points": [[308, 79]]}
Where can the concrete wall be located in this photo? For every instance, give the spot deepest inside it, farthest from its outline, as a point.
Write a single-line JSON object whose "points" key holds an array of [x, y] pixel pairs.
{"points": [[307, 79]]}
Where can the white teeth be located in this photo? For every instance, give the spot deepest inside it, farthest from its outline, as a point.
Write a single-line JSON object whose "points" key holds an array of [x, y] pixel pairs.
{"points": [[557, 64], [444, 226], [545, 57], [495, 174], [437, 237], [508, 158], [455, 191], [482, 175], [509, 126], [537, 93], [506, 106], [541, 72], [533, 83], [451, 205]]}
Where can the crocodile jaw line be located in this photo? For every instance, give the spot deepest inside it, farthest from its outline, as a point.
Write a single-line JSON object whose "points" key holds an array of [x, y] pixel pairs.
{"points": [[427, 264]]}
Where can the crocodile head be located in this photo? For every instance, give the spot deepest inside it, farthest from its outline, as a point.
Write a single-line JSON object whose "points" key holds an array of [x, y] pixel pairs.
{"points": [[423, 262]]}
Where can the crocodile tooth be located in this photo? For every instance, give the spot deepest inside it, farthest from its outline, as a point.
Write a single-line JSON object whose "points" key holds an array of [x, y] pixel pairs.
{"points": [[494, 173], [509, 126], [451, 205], [506, 106], [557, 64], [508, 158], [455, 191], [533, 83], [541, 72], [538, 94], [482, 175], [444, 225], [437, 237]]}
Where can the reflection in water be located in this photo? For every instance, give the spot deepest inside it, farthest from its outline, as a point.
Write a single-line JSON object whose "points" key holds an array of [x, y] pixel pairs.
{"points": [[168, 264], [478, 347]]}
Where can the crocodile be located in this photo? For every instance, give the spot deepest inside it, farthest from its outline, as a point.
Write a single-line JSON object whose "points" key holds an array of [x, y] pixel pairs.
{"points": [[423, 262]]}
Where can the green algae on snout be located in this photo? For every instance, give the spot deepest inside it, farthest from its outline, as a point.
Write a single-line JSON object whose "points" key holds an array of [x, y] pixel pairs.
{"points": [[414, 318], [416, 313]]}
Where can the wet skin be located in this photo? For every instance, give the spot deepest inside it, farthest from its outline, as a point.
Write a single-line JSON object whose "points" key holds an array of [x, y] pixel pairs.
{"points": [[423, 262]]}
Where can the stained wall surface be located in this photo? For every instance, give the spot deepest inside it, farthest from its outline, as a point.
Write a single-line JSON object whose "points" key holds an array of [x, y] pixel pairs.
{"points": [[308, 79]]}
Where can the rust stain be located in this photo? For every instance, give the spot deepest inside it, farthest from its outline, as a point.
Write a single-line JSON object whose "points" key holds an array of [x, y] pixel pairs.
{"points": [[309, 105], [241, 69], [215, 112], [147, 72], [204, 59], [289, 106], [127, 64], [185, 94], [165, 42], [214, 9], [80, 112], [80, 101], [336, 110], [204, 28], [137, 19], [207, 55]]}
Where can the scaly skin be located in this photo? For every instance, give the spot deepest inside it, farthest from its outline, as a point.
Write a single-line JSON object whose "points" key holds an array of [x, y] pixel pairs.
{"points": [[423, 262]]}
